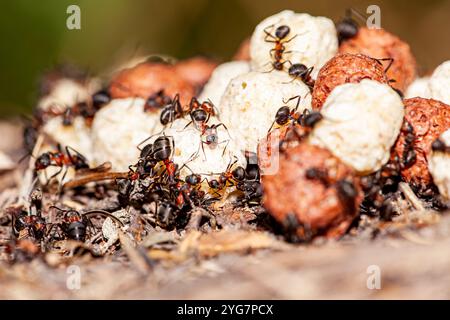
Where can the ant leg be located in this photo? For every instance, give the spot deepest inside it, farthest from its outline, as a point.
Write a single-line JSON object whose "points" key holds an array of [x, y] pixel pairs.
{"points": [[268, 34], [53, 175], [189, 123], [291, 98], [271, 127], [290, 39], [224, 149], [225, 127], [203, 150], [61, 182], [79, 155], [308, 72]]}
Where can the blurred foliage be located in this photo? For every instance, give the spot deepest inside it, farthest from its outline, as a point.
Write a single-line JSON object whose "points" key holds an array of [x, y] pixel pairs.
{"points": [[35, 37]]}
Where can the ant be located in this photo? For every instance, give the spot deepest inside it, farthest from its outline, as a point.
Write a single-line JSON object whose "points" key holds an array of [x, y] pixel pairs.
{"points": [[301, 71], [279, 39], [61, 159], [167, 214], [439, 145], [157, 101], [25, 224], [285, 114], [228, 177], [347, 193], [409, 154], [295, 231], [252, 191], [200, 113], [207, 106], [348, 28], [75, 224], [171, 111]]}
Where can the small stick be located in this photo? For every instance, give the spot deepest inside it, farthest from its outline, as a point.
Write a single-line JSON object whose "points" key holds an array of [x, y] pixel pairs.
{"points": [[100, 176], [411, 196]]}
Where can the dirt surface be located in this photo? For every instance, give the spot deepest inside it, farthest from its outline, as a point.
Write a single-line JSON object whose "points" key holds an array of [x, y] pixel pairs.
{"points": [[242, 260]]}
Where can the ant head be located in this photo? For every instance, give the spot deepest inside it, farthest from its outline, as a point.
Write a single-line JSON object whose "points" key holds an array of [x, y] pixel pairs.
{"points": [[193, 179], [209, 107], [214, 184], [199, 115], [438, 145], [284, 111], [297, 69], [282, 31], [43, 161], [146, 151], [238, 173], [346, 29], [194, 104], [100, 98]]}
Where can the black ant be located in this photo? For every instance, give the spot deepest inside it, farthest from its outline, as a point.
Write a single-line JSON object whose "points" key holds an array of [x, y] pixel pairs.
{"points": [[206, 106], [252, 169], [317, 174], [62, 160], [279, 39], [348, 28], [409, 154], [171, 111], [309, 119], [347, 193], [228, 177], [295, 231], [157, 101], [200, 113], [252, 191], [25, 224], [439, 145], [302, 72], [75, 224], [162, 150], [285, 114], [167, 214], [100, 98]]}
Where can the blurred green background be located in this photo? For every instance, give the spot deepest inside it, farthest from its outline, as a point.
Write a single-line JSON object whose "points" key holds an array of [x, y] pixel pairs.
{"points": [[35, 38]]}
